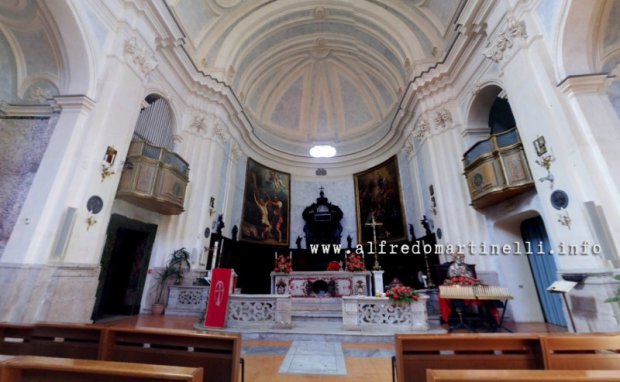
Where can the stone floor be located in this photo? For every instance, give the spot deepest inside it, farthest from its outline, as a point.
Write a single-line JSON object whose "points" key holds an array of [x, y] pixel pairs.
{"points": [[288, 356]]}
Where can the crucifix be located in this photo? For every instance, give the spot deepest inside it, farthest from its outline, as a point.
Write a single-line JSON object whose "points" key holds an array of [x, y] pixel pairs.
{"points": [[374, 226]]}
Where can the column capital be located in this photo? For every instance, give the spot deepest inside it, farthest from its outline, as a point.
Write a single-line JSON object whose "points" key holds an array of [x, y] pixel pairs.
{"points": [[79, 102], [585, 83]]}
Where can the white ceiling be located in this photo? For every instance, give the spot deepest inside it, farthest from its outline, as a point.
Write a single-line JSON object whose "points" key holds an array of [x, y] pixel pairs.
{"points": [[306, 72]]}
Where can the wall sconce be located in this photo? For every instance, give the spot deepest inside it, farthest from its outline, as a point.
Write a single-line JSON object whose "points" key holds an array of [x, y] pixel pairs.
{"points": [[564, 219], [545, 158], [90, 221], [211, 206], [108, 162]]}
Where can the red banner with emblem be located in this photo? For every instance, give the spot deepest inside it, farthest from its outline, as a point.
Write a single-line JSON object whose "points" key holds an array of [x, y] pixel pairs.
{"points": [[222, 285]]}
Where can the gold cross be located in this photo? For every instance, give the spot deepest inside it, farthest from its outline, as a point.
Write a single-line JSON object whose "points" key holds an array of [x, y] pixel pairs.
{"points": [[374, 226]]}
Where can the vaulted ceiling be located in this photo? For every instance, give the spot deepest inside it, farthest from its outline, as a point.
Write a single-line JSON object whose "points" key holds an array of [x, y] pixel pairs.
{"points": [[315, 72]]}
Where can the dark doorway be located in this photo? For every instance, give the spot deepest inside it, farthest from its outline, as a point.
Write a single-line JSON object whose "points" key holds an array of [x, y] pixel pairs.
{"points": [[124, 265]]}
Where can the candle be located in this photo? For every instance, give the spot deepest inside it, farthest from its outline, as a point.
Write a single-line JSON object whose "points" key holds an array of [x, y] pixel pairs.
{"points": [[275, 258], [290, 255]]}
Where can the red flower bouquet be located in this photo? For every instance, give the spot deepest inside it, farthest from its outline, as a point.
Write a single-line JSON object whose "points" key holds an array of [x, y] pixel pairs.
{"points": [[354, 263], [402, 294], [283, 264], [462, 280], [333, 266]]}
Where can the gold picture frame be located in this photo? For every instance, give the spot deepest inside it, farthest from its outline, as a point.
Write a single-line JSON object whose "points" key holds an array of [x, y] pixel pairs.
{"points": [[265, 217], [378, 194]]}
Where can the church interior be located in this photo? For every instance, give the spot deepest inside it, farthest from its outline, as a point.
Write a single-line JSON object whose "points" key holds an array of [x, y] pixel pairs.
{"points": [[356, 171]]}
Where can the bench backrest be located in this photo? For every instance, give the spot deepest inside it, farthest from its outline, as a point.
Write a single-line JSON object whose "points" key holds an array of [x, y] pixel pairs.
{"points": [[49, 369], [581, 352], [66, 340], [218, 354], [522, 375], [15, 339], [417, 353]]}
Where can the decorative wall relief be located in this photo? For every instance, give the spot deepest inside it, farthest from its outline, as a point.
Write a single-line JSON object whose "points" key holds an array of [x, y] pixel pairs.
{"points": [[422, 129], [266, 205], [443, 118], [144, 61], [502, 42], [378, 196]]}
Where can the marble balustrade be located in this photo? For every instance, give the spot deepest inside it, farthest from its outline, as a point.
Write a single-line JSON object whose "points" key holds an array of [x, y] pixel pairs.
{"points": [[361, 312]]}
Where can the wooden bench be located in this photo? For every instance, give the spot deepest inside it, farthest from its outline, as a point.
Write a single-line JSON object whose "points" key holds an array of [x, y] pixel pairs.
{"points": [[581, 352], [66, 340], [523, 375], [15, 339], [49, 369], [52, 340], [218, 354], [417, 353]]}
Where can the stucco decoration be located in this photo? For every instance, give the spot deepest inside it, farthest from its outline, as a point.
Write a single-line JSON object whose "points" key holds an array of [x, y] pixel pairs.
{"points": [[504, 41], [139, 55], [312, 74], [29, 58]]}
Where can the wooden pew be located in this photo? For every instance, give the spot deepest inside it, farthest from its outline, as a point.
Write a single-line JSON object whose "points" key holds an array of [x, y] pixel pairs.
{"points": [[417, 353], [218, 354], [49, 369], [581, 352], [66, 340], [15, 339], [523, 375], [51, 339]]}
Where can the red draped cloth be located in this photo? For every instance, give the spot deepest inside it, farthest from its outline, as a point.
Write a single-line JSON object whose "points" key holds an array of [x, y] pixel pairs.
{"points": [[445, 306]]}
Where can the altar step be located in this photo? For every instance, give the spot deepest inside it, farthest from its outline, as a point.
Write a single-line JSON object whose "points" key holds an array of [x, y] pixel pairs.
{"points": [[326, 309]]}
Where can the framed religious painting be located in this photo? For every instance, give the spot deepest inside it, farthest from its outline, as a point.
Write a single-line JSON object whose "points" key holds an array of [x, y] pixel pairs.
{"points": [[266, 205], [379, 203]]}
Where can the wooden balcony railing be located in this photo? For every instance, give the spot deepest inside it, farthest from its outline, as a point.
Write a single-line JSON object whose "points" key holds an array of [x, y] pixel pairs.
{"points": [[496, 169], [154, 178]]}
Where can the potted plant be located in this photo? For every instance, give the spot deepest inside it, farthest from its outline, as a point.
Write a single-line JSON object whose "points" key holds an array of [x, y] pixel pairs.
{"points": [[173, 273], [616, 297]]}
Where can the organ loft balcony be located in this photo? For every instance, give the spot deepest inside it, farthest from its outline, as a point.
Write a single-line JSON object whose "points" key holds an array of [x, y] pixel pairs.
{"points": [[154, 178], [496, 169]]}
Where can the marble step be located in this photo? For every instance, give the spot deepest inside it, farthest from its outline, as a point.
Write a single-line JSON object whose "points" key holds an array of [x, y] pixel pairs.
{"points": [[317, 319], [316, 313]]}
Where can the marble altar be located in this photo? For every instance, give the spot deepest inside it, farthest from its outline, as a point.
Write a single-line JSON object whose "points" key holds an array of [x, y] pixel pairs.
{"points": [[321, 284]]}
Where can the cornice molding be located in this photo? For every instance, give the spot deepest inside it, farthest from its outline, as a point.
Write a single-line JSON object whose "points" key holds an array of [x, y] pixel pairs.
{"points": [[586, 83]]}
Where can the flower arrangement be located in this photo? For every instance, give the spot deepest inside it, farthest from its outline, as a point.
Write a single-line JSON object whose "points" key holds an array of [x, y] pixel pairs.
{"points": [[333, 266], [354, 263], [462, 281], [402, 294], [283, 264]]}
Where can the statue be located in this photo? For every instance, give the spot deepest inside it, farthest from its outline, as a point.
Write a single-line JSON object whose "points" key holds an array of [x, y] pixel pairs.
{"points": [[411, 232], [426, 225], [220, 224], [298, 242], [458, 268]]}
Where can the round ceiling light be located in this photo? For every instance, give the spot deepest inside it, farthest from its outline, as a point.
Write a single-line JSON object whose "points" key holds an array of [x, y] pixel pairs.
{"points": [[322, 151]]}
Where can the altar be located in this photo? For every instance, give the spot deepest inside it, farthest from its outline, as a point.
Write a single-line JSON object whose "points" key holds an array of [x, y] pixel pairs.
{"points": [[321, 284]]}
